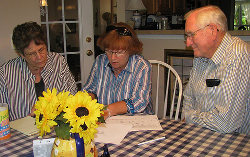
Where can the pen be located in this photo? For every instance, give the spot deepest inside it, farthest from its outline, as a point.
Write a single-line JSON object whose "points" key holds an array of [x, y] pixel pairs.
{"points": [[150, 141]]}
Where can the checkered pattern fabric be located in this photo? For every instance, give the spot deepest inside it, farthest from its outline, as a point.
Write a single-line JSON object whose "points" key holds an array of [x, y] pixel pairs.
{"points": [[181, 140]]}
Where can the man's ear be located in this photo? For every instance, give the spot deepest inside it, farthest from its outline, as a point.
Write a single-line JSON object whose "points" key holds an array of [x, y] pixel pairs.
{"points": [[214, 31]]}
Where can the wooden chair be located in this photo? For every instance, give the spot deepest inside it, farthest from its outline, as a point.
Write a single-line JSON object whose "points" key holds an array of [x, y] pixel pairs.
{"points": [[168, 85]]}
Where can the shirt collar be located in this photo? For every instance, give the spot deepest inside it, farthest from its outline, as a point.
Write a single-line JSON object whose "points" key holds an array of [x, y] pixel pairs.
{"points": [[130, 64], [25, 69], [48, 65], [221, 50]]}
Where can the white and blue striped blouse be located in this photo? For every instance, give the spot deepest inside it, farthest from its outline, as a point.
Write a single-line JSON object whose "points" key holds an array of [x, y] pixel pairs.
{"points": [[17, 83], [133, 84]]}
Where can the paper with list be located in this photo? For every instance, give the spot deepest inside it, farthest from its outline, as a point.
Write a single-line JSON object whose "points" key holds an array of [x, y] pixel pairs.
{"points": [[139, 122]]}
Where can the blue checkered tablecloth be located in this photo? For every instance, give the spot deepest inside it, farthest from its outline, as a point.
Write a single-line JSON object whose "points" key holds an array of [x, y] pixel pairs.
{"points": [[181, 140]]}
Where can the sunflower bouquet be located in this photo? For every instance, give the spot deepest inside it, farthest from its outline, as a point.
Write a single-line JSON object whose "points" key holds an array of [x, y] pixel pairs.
{"points": [[68, 114]]}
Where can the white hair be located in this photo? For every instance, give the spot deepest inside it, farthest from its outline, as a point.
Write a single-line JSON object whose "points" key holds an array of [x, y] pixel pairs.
{"points": [[208, 15]]}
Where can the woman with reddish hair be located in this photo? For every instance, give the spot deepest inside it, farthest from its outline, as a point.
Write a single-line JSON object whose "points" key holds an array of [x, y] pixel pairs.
{"points": [[121, 78]]}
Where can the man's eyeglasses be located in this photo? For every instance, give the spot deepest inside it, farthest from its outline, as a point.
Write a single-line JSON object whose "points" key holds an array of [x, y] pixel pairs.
{"points": [[191, 35], [123, 31], [116, 52], [34, 54]]}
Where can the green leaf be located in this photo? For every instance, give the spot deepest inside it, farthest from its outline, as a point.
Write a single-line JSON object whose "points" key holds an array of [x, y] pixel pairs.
{"points": [[101, 119], [89, 155], [60, 118], [62, 130], [105, 107]]}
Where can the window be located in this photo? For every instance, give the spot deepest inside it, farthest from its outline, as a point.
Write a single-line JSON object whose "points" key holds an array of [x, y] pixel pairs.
{"points": [[242, 15], [59, 20]]}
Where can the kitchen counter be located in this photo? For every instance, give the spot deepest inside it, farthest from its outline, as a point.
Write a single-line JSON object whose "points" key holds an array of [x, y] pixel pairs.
{"points": [[181, 32]]}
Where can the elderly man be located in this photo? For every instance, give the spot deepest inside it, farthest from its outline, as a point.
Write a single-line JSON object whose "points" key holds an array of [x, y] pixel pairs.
{"points": [[217, 95], [23, 79]]}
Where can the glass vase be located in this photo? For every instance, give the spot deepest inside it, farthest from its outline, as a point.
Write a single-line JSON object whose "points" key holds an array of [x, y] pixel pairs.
{"points": [[74, 147]]}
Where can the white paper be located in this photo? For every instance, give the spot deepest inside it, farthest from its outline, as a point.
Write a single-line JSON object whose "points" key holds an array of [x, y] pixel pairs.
{"points": [[25, 125], [112, 133], [139, 122], [43, 147]]}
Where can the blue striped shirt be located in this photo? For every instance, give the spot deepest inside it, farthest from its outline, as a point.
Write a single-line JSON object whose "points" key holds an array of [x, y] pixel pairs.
{"points": [[17, 83], [223, 108], [133, 84]]}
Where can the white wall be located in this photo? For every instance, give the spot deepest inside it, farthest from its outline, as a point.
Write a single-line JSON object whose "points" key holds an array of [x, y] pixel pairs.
{"points": [[13, 12], [154, 45]]}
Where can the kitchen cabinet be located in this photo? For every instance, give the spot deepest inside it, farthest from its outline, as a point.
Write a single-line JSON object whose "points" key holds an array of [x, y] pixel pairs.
{"points": [[180, 7], [169, 7], [166, 7]]}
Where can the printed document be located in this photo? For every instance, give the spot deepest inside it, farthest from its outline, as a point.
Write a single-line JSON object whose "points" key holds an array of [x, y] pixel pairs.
{"points": [[139, 122], [116, 128]]}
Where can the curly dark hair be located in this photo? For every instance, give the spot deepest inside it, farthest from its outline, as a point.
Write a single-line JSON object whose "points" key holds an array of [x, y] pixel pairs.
{"points": [[24, 33]]}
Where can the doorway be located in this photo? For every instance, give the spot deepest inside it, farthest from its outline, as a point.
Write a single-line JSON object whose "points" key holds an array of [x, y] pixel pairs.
{"points": [[69, 29]]}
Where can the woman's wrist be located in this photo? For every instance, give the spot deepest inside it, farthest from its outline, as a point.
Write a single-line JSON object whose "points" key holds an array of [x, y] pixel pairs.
{"points": [[109, 113]]}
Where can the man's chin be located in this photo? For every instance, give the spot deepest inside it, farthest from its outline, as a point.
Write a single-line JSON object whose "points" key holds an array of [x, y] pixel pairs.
{"points": [[196, 53]]}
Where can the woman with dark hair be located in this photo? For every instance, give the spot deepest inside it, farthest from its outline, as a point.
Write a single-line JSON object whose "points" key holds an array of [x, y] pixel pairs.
{"points": [[23, 79], [121, 78]]}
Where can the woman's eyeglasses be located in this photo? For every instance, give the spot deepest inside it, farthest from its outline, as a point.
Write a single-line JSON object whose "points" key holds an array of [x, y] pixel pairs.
{"points": [[116, 52], [41, 51], [123, 31]]}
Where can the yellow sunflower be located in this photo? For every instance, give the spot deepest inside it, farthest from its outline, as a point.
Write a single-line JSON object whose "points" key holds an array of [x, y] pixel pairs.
{"points": [[46, 111], [82, 110], [52, 100], [62, 97], [86, 133], [44, 118]]}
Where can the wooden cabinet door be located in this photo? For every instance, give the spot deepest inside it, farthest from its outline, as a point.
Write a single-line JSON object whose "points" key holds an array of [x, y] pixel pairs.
{"points": [[167, 7], [151, 5]]}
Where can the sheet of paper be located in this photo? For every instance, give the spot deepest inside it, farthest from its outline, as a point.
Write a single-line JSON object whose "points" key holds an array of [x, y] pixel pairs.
{"points": [[25, 125], [139, 122], [112, 133]]}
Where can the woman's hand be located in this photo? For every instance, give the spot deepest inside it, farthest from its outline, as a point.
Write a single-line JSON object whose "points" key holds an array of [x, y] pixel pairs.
{"points": [[116, 108], [32, 114], [106, 114]]}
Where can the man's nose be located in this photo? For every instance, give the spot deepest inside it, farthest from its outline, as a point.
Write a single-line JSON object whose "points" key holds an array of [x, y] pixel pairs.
{"points": [[189, 42]]}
